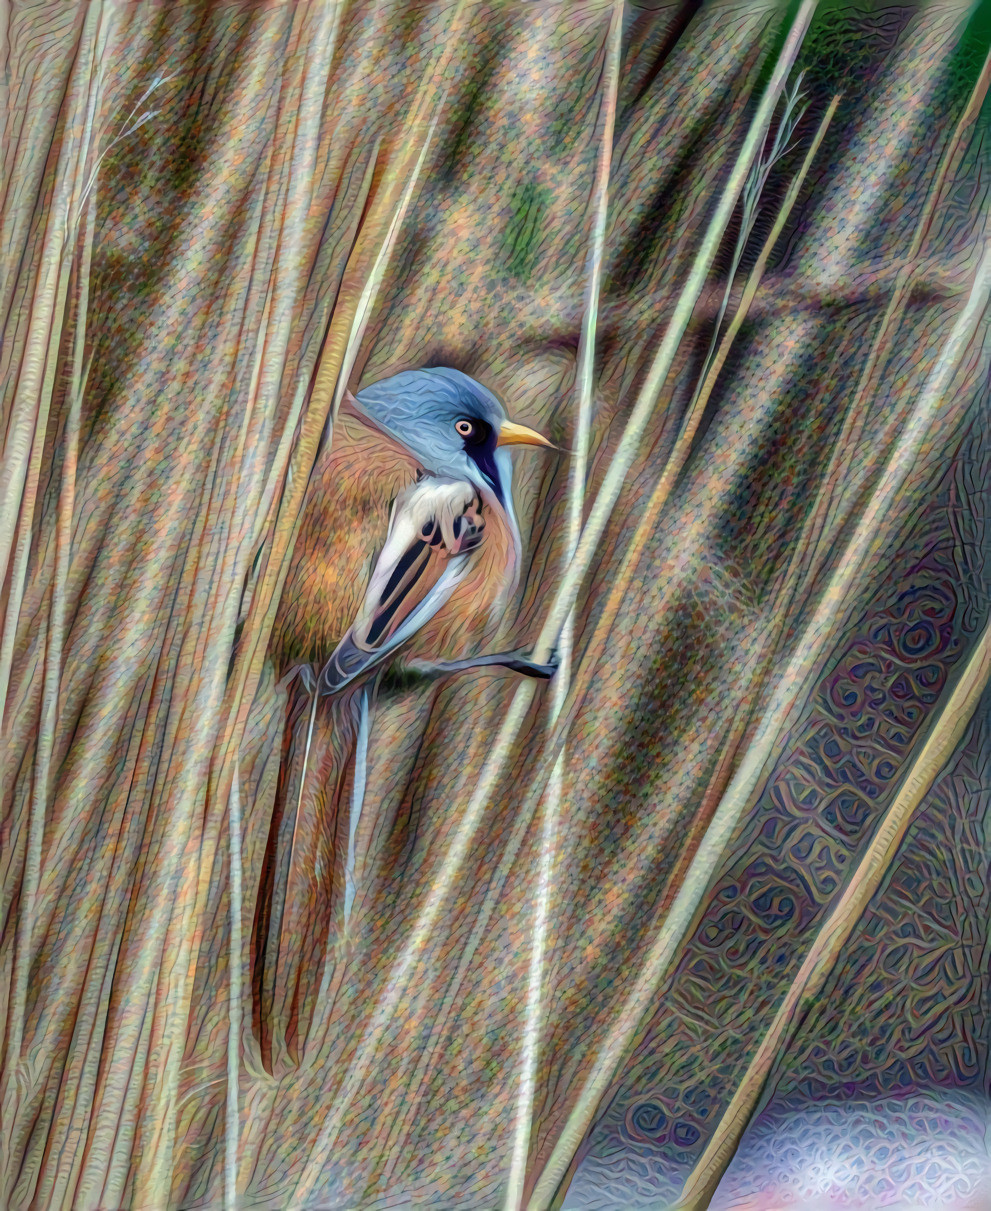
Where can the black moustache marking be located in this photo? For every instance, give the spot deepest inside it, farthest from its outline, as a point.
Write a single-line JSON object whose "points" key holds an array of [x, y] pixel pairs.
{"points": [[484, 459]]}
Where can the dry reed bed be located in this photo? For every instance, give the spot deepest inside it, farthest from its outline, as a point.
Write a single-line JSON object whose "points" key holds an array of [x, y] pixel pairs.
{"points": [[190, 361]]}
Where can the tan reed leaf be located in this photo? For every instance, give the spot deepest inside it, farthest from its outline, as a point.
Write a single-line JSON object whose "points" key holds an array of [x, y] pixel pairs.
{"points": [[937, 749], [33, 399]]}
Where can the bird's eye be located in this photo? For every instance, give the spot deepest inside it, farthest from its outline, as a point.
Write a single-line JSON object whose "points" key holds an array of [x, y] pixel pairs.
{"points": [[474, 431]]}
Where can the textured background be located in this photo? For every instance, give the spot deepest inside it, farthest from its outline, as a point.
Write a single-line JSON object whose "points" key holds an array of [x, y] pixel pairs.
{"points": [[226, 233]]}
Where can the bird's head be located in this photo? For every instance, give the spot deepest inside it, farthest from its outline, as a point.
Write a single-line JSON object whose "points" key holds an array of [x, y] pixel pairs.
{"points": [[452, 425]]}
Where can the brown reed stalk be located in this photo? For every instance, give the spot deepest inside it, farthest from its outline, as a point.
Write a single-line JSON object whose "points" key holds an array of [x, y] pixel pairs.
{"points": [[35, 394], [307, 88], [551, 823]]}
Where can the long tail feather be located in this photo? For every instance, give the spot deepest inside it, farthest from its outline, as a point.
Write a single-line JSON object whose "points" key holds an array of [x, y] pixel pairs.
{"points": [[357, 797], [295, 916]]}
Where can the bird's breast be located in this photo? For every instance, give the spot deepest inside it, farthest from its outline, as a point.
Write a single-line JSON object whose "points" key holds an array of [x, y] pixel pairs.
{"points": [[353, 491], [343, 527]]}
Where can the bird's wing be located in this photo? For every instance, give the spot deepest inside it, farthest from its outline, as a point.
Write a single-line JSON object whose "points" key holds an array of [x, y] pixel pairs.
{"points": [[435, 524]]}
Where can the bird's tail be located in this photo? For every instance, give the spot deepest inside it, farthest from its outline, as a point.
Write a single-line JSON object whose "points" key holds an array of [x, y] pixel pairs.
{"points": [[308, 881], [357, 796]]}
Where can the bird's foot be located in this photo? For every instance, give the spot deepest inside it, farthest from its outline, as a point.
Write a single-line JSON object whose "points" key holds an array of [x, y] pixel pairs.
{"points": [[521, 661], [518, 661]]}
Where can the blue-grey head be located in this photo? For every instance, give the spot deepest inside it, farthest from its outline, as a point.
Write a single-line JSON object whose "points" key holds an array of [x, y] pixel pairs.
{"points": [[452, 425]]}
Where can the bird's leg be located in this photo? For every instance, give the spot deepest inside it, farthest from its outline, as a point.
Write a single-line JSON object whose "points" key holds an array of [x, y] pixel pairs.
{"points": [[519, 661]]}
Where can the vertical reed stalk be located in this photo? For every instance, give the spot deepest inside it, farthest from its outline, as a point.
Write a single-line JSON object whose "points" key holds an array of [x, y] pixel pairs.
{"points": [[551, 823], [317, 53], [80, 136], [562, 723]]}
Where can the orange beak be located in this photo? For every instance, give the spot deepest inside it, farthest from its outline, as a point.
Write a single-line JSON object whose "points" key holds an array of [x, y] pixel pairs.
{"points": [[511, 434]]}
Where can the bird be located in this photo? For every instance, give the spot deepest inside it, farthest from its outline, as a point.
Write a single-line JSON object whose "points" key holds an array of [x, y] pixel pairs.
{"points": [[407, 554], [418, 473]]}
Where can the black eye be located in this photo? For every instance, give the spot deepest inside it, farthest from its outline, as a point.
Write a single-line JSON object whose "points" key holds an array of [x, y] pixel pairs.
{"points": [[473, 431]]}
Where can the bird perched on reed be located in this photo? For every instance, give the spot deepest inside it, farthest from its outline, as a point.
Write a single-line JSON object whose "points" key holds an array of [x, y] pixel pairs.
{"points": [[409, 542], [407, 553]]}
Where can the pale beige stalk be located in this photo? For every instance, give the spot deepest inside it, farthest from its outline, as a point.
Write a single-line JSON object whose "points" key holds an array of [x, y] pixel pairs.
{"points": [[319, 43], [73, 165], [551, 823]]}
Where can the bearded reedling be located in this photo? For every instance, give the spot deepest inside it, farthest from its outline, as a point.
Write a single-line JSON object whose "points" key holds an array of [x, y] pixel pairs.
{"points": [[407, 554]]}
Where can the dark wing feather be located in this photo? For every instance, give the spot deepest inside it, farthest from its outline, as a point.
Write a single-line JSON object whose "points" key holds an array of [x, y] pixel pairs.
{"points": [[435, 523]]}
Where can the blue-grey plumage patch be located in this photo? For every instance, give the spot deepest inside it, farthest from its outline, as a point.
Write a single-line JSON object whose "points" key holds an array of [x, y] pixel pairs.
{"points": [[419, 409]]}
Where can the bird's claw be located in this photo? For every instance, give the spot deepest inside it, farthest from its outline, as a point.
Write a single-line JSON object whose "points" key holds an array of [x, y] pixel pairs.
{"points": [[522, 662]]}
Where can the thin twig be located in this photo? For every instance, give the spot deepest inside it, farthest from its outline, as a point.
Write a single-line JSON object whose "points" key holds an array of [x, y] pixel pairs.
{"points": [[752, 192]]}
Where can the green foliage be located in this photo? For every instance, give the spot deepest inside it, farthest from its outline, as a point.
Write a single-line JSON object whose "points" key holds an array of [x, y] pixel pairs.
{"points": [[521, 238]]}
